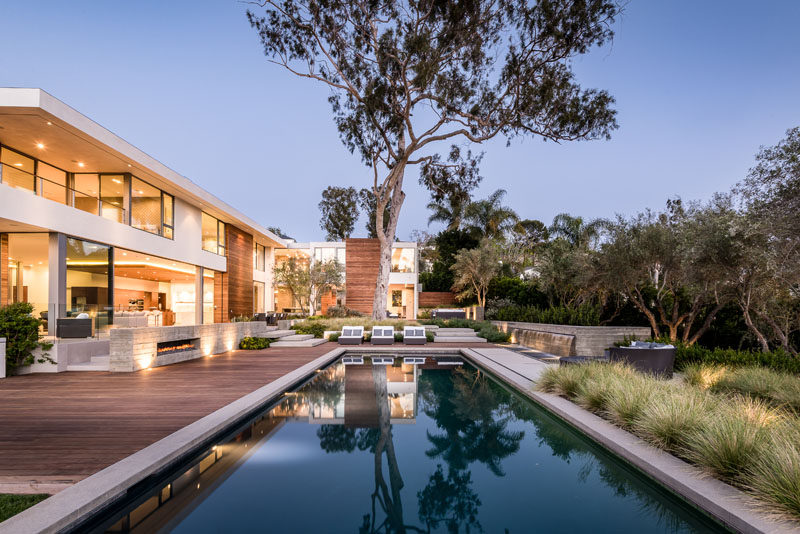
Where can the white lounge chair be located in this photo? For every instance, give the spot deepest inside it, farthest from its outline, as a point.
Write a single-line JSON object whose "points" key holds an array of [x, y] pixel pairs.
{"points": [[414, 335], [382, 360], [382, 335], [351, 335], [353, 360]]}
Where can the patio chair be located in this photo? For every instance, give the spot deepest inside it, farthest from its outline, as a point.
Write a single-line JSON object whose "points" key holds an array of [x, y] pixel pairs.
{"points": [[351, 335], [382, 335], [414, 335]]}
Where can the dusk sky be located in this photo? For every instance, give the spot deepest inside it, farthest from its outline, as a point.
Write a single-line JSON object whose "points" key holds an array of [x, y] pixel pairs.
{"points": [[699, 86]]}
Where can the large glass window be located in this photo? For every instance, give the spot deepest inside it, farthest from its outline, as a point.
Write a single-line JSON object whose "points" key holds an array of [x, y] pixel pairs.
{"points": [[87, 281], [112, 196], [213, 232], [208, 296], [16, 170], [28, 272], [145, 206], [259, 257], [259, 293], [86, 192], [403, 260], [168, 216], [53, 182]]}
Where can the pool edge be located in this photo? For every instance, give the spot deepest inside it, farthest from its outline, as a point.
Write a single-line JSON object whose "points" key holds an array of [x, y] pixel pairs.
{"points": [[723, 502]]}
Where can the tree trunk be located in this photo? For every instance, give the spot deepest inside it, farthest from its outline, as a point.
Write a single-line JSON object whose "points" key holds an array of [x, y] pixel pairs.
{"points": [[638, 301], [749, 322], [386, 237], [705, 326]]}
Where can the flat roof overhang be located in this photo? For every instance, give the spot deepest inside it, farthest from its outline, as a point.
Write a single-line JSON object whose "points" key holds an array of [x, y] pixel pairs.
{"points": [[29, 117]]}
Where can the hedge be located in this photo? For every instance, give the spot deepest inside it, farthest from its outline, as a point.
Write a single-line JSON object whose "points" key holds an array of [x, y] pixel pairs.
{"points": [[777, 360], [254, 343]]}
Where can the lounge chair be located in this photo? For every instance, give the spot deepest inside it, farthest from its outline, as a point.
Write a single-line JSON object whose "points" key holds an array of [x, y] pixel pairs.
{"points": [[382, 335], [382, 360], [351, 335], [353, 360], [414, 335]]}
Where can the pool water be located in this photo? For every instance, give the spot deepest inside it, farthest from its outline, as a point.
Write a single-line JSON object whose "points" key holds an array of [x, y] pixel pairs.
{"points": [[438, 446]]}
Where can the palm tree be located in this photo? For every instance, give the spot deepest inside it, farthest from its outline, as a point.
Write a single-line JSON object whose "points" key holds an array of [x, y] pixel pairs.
{"points": [[449, 210], [489, 217], [577, 232]]}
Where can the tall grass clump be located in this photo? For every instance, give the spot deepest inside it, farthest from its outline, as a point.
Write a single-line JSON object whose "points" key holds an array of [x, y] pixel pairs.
{"points": [[672, 415], [778, 389], [734, 437], [704, 376], [595, 390], [563, 380], [627, 399], [775, 475]]}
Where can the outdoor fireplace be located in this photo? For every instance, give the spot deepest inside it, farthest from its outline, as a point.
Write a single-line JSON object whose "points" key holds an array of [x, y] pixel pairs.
{"points": [[181, 345]]}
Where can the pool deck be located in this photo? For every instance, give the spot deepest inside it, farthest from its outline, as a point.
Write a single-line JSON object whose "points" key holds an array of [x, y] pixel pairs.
{"points": [[59, 428]]}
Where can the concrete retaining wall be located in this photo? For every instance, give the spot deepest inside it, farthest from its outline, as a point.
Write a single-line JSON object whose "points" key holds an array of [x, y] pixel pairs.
{"points": [[133, 349], [564, 340]]}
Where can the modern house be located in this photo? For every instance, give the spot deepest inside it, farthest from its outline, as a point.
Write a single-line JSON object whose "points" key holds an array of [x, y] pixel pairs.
{"points": [[360, 259], [91, 224]]}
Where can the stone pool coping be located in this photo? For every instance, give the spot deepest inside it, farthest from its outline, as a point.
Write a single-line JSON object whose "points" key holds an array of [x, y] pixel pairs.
{"points": [[727, 504]]}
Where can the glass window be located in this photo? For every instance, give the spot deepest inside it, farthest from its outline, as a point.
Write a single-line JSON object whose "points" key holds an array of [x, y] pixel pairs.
{"points": [[112, 197], [86, 187], [208, 296], [259, 255], [213, 232], [16, 170], [87, 281], [168, 216], [145, 206], [53, 182], [258, 297], [403, 260], [28, 272]]}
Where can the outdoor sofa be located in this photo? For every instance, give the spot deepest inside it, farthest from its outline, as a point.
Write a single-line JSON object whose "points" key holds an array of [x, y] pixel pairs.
{"points": [[351, 335], [414, 335], [382, 335]]}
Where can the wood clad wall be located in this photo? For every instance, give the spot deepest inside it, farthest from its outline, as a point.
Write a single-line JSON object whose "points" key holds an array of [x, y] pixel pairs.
{"points": [[361, 272], [4, 282], [220, 297], [239, 248], [431, 299]]}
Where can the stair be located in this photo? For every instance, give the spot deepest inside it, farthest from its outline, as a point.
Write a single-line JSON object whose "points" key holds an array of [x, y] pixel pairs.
{"points": [[456, 335], [274, 334], [298, 340], [97, 363]]}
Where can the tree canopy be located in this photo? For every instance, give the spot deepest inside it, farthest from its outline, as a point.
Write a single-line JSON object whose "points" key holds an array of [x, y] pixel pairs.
{"points": [[339, 208]]}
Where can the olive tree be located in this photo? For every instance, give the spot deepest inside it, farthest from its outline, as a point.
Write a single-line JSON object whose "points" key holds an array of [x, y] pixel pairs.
{"points": [[407, 77], [308, 282], [474, 269]]}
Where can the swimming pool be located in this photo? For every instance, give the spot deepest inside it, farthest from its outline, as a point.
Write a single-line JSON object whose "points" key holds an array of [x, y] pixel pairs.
{"points": [[395, 444]]}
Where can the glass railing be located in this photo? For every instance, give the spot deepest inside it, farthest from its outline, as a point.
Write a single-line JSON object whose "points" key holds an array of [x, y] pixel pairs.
{"points": [[60, 193]]}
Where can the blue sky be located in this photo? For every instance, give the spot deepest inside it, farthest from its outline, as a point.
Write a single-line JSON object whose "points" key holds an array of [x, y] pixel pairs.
{"points": [[699, 86]]}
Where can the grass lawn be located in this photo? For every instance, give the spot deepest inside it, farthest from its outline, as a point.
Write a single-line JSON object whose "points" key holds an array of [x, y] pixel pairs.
{"points": [[739, 425], [13, 504]]}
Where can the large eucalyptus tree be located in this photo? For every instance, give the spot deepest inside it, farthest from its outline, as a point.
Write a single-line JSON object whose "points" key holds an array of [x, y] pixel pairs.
{"points": [[407, 77]]}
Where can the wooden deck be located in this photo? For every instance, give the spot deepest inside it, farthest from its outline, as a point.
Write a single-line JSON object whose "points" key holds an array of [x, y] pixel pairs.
{"points": [[56, 429]]}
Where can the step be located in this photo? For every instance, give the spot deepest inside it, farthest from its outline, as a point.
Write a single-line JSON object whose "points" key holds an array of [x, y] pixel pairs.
{"points": [[272, 334], [88, 366], [313, 342], [101, 360], [458, 339], [455, 332], [296, 337]]}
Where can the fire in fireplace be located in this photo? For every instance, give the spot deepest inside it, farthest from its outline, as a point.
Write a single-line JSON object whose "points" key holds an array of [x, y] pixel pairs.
{"points": [[181, 345]]}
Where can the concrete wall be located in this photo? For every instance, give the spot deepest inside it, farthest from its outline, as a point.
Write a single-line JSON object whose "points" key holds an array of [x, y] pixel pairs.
{"points": [[564, 340], [133, 349]]}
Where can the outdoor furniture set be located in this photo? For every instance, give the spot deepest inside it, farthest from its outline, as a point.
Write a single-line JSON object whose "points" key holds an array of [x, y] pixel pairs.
{"points": [[382, 335]]}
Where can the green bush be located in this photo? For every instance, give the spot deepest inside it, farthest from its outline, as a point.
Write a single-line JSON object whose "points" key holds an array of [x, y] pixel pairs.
{"points": [[21, 330], [429, 336], [342, 311], [314, 328], [11, 505], [398, 337], [242, 319], [492, 334], [484, 329], [367, 336], [334, 336], [585, 315], [777, 360], [254, 343]]}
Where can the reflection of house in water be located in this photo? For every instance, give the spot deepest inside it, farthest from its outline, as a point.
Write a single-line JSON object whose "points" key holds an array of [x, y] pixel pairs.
{"points": [[346, 394]]}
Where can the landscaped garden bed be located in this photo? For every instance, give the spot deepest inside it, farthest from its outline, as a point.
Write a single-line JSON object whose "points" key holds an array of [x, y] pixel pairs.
{"points": [[741, 426], [11, 505]]}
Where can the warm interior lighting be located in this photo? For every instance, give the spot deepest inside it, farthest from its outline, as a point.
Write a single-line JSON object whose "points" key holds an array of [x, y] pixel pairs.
{"points": [[49, 123], [39, 145], [117, 180], [18, 165], [80, 164]]}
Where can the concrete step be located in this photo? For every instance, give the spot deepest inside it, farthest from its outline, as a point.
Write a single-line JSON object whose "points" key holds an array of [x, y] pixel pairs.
{"points": [[88, 366], [313, 342], [273, 334], [101, 360], [455, 332], [458, 339], [296, 337]]}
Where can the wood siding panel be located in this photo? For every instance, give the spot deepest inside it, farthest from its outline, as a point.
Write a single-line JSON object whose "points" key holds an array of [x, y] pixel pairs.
{"points": [[239, 252], [361, 271], [431, 299], [4, 300], [220, 297]]}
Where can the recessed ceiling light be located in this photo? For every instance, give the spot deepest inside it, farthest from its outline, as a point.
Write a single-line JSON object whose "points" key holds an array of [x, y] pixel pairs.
{"points": [[124, 253], [49, 123], [39, 145], [129, 164], [116, 180], [148, 259], [80, 164], [18, 165], [140, 192]]}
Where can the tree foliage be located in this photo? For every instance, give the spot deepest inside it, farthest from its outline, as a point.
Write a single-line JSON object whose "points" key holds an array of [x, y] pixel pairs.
{"points": [[339, 208], [308, 282], [474, 270]]}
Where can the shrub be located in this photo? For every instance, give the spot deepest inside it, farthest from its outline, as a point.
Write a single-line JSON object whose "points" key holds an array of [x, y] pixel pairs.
{"points": [[777, 360], [593, 392], [429, 336], [254, 343], [367, 336], [21, 330], [398, 337], [334, 336], [242, 318], [314, 328], [627, 399], [584, 315], [775, 475], [563, 381], [342, 311], [492, 334], [703, 376], [778, 389], [11, 505]]}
